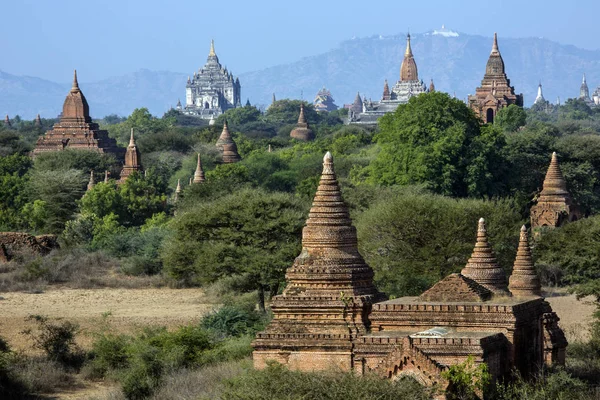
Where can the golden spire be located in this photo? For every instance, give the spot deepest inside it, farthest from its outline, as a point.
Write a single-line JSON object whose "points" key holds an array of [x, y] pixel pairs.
{"points": [[212, 49], [178, 188], [408, 52], [524, 280], [408, 69]]}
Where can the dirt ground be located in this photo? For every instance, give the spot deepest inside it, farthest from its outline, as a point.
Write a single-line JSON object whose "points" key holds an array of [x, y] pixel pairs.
{"points": [[128, 308], [131, 309]]}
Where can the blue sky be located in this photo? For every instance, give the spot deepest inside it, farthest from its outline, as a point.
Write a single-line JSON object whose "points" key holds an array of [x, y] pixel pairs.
{"points": [[48, 38]]}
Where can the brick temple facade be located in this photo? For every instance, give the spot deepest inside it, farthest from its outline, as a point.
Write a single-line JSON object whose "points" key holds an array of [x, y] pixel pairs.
{"points": [[495, 91], [554, 206], [332, 316], [75, 130]]}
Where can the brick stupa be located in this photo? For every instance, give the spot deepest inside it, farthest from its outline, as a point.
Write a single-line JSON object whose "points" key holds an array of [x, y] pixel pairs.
{"points": [[482, 267], [199, 173], [132, 160], [75, 130], [524, 280], [329, 317], [495, 91], [302, 131], [554, 207], [329, 291], [227, 146]]}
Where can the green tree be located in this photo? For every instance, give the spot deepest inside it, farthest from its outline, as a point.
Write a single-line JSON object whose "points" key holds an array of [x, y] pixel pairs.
{"points": [[251, 233], [413, 239], [82, 160], [13, 183], [511, 118], [287, 112], [436, 140], [142, 197], [59, 190]]}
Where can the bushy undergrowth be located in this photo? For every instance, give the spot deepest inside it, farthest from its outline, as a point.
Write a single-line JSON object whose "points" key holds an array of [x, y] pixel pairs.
{"points": [[277, 382], [139, 362]]}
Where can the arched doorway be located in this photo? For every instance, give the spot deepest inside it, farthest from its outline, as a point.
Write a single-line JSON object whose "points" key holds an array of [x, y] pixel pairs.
{"points": [[489, 116]]}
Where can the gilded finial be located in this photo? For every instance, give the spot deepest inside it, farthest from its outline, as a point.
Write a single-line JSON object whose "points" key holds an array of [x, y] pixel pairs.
{"points": [[408, 51], [212, 49]]}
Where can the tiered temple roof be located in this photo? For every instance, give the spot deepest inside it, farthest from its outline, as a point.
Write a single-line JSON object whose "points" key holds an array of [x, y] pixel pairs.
{"points": [[227, 146], [302, 131], [495, 91], [329, 291], [482, 267], [38, 121], [324, 101], [75, 130], [554, 206], [132, 160], [199, 173], [408, 86], [524, 280], [212, 90]]}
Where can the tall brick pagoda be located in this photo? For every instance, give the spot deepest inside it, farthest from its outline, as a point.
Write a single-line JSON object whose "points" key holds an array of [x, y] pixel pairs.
{"points": [[302, 131], [524, 280], [132, 160], [554, 206], [7, 122], [329, 291], [75, 130], [330, 315], [495, 91], [199, 173], [482, 266], [227, 146]]}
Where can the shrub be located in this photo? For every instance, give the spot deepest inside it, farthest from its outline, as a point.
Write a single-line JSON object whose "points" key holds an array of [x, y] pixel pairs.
{"points": [[558, 385], [467, 380], [233, 321], [57, 340], [276, 382]]}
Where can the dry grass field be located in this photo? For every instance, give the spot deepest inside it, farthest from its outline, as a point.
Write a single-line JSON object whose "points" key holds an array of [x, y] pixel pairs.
{"points": [[128, 308]]}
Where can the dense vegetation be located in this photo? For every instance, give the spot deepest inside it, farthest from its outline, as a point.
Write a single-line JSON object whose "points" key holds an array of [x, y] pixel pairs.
{"points": [[416, 187]]}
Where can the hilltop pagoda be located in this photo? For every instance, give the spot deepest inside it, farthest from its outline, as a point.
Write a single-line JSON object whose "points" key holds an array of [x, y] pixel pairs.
{"points": [[495, 91], [75, 130], [554, 207]]}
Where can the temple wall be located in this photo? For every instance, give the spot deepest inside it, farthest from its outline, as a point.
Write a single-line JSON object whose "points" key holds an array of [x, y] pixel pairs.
{"points": [[305, 360]]}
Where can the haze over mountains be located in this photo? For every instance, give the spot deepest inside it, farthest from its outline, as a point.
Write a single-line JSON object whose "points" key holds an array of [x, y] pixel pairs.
{"points": [[455, 61]]}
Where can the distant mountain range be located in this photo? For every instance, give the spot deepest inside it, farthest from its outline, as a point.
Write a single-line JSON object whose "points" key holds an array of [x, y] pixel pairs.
{"points": [[456, 62]]}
